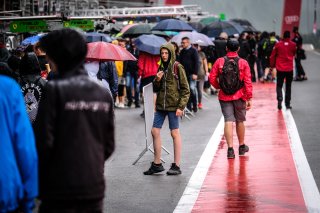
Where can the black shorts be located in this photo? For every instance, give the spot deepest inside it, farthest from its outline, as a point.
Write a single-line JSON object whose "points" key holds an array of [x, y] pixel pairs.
{"points": [[121, 90]]}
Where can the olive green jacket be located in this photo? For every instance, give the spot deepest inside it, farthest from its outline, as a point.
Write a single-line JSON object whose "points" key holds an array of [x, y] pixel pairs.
{"points": [[169, 97]]}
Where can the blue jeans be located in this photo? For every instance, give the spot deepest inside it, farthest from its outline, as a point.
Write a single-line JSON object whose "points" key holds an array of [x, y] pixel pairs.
{"points": [[160, 116], [192, 103], [131, 83]]}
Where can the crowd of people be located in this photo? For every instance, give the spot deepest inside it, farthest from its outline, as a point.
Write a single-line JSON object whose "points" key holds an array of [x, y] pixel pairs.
{"points": [[58, 89]]}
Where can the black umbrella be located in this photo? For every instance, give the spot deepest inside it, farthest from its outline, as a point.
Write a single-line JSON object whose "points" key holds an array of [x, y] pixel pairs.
{"points": [[244, 22], [141, 29], [214, 29], [249, 28], [198, 26]]}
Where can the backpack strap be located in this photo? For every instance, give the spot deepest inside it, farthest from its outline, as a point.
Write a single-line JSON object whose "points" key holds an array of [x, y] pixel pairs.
{"points": [[176, 73]]}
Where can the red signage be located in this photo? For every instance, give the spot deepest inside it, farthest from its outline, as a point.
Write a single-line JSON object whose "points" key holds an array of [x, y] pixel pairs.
{"points": [[172, 2], [291, 15]]}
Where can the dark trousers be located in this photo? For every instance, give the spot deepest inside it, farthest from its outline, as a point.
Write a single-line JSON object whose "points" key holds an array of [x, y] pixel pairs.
{"points": [[73, 206], [299, 69], [280, 79], [193, 102], [251, 61]]}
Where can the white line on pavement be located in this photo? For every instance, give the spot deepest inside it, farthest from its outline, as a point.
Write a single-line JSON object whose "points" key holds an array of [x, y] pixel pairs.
{"points": [[307, 183], [317, 53], [193, 188]]}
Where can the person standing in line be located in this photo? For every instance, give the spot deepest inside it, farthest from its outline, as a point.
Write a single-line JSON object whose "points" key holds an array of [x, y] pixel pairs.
{"points": [[120, 66], [235, 97], [220, 45], [173, 92], [282, 59], [18, 156], [202, 74], [132, 77], [300, 74], [74, 130], [189, 58], [147, 70]]}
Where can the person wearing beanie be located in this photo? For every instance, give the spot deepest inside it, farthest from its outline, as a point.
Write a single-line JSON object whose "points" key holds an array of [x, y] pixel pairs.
{"points": [[231, 74], [74, 129]]}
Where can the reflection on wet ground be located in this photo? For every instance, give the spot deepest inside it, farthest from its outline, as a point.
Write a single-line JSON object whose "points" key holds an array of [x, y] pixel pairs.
{"points": [[265, 180]]}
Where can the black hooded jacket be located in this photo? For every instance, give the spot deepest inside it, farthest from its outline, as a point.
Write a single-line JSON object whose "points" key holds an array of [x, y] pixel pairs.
{"points": [[75, 135], [30, 70]]}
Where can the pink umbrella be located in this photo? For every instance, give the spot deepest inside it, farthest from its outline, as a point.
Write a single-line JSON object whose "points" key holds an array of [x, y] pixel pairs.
{"points": [[102, 51], [127, 27]]}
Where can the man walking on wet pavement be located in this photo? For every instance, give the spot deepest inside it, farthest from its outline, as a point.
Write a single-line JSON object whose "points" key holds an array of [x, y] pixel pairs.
{"points": [[282, 59], [172, 90], [74, 130], [232, 76]]}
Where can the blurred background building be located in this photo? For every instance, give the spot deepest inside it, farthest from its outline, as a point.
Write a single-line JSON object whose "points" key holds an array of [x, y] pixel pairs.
{"points": [[263, 14]]}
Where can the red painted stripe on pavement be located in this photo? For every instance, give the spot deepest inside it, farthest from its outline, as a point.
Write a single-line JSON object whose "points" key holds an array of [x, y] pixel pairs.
{"points": [[265, 180]]}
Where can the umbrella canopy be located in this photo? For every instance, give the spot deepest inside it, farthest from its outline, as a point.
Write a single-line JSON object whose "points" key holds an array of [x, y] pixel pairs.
{"points": [[93, 37], [102, 51], [245, 24], [214, 29], [31, 40], [249, 28], [149, 43], [137, 30], [127, 27], [208, 20], [195, 38], [172, 25], [197, 26], [241, 21]]}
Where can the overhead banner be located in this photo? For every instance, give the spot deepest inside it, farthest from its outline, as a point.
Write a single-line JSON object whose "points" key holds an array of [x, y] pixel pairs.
{"points": [[28, 26], [82, 24], [172, 2], [291, 15]]}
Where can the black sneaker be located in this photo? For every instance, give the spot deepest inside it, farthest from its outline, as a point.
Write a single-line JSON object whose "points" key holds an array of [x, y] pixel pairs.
{"points": [[288, 106], [243, 149], [279, 106], [154, 168], [230, 153], [174, 170]]}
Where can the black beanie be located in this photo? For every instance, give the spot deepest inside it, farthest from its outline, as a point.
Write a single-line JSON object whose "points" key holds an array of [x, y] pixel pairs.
{"points": [[66, 47]]}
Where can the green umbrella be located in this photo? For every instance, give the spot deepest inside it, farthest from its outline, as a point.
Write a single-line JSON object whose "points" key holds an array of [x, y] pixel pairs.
{"points": [[137, 30], [208, 20]]}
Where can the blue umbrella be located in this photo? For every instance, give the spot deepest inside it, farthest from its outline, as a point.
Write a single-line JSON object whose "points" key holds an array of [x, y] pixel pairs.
{"points": [[173, 25], [94, 36], [31, 40], [150, 44]]}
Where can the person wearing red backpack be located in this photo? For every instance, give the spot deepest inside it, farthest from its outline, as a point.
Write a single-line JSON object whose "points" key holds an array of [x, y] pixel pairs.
{"points": [[231, 74]]}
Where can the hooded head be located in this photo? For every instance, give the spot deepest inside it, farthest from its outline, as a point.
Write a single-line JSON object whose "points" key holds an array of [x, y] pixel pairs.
{"points": [[29, 64], [171, 55], [67, 48]]}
